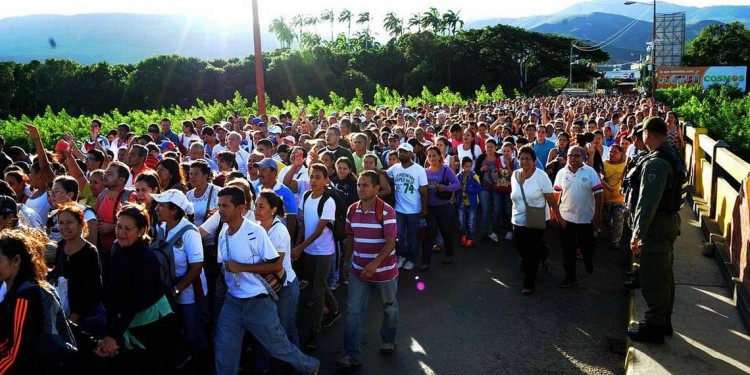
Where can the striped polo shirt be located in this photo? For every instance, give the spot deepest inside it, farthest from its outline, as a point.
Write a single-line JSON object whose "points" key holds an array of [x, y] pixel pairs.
{"points": [[369, 238]]}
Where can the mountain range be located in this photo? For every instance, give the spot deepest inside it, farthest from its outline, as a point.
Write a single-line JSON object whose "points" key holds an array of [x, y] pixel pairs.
{"points": [[129, 38]]}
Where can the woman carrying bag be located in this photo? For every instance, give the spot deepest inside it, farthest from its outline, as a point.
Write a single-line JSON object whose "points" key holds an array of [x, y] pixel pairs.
{"points": [[530, 189]]}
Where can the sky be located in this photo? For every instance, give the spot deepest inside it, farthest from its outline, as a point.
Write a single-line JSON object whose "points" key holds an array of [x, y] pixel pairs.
{"points": [[237, 9]]}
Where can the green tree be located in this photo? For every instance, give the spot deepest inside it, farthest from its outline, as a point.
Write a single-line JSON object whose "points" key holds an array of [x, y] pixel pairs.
{"points": [[431, 19], [282, 31], [451, 21], [393, 25], [312, 20], [299, 22], [720, 44], [309, 40], [364, 17], [327, 15], [346, 17], [415, 21]]}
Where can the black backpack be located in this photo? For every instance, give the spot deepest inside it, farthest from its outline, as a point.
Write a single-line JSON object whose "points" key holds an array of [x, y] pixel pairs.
{"points": [[338, 227], [165, 254]]}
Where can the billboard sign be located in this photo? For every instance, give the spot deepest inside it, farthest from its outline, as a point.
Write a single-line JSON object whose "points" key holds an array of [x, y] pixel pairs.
{"points": [[622, 74], [706, 76]]}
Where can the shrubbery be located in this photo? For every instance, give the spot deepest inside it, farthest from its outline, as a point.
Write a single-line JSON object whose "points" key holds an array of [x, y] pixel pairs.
{"points": [[721, 110], [52, 126]]}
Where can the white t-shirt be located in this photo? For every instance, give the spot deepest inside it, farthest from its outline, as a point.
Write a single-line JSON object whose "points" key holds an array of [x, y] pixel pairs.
{"points": [[40, 205], [282, 242], [325, 244], [202, 204], [577, 193], [29, 217], [534, 188], [407, 182], [249, 245], [462, 153], [211, 226], [186, 140], [217, 149], [186, 251], [241, 156]]}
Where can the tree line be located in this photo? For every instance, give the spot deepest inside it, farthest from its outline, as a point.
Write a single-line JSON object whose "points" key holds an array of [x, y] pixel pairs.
{"points": [[514, 58]]}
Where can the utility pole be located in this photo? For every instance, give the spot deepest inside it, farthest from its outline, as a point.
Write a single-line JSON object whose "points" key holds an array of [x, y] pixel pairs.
{"points": [[653, 58], [570, 66], [259, 83]]}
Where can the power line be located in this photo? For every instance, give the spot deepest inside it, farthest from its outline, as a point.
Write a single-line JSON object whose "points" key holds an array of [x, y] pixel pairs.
{"points": [[613, 37]]}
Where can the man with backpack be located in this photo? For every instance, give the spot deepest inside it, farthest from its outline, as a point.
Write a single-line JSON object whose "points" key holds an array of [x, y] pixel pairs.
{"points": [[371, 231], [108, 203], [316, 239]]}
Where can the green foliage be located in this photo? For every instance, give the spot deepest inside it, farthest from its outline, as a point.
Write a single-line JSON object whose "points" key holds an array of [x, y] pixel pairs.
{"points": [[722, 110], [720, 44]]}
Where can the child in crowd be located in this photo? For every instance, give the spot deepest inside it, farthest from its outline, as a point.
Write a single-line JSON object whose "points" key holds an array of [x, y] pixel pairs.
{"points": [[506, 164], [467, 200]]}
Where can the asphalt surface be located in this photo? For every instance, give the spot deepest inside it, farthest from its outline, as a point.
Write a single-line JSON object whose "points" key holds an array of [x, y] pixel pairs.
{"points": [[471, 318]]}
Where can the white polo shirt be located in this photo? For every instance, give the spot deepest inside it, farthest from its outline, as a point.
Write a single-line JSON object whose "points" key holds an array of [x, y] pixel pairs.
{"points": [[187, 250], [249, 245], [577, 193]]}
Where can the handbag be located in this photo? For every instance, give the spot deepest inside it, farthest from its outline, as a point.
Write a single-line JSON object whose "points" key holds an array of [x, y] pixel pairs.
{"points": [[444, 194], [535, 216]]}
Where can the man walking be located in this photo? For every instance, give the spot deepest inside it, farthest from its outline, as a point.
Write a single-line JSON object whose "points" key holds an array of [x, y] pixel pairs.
{"points": [[247, 253], [410, 182], [656, 224], [371, 230], [580, 200]]}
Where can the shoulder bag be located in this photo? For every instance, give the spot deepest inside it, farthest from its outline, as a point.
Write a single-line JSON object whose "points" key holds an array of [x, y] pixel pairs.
{"points": [[535, 216]]}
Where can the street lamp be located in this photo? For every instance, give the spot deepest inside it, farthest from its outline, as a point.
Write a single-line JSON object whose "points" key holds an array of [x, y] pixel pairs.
{"points": [[653, 47]]}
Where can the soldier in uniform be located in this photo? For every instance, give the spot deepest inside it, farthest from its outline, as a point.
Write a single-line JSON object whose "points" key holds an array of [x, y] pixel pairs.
{"points": [[630, 188], [656, 224]]}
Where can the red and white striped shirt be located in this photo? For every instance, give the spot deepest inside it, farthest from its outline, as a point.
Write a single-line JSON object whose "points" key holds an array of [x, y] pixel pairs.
{"points": [[369, 237]]}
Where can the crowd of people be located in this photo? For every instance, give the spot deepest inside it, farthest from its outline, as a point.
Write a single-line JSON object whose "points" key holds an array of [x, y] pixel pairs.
{"points": [[158, 252]]}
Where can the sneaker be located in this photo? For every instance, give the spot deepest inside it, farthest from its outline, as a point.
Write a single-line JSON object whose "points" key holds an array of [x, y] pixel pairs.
{"points": [[494, 237], [311, 343], [567, 284], [469, 243], [348, 362], [463, 240], [579, 254], [408, 265], [333, 284], [387, 348], [509, 236], [437, 249], [330, 319], [400, 262]]}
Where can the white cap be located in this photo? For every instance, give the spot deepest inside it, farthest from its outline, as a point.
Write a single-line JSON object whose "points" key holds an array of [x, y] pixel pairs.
{"points": [[406, 147], [176, 197], [275, 130]]}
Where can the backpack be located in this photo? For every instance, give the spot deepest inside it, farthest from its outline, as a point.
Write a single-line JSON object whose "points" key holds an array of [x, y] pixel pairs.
{"points": [[338, 227], [379, 206], [56, 345], [124, 198], [165, 254]]}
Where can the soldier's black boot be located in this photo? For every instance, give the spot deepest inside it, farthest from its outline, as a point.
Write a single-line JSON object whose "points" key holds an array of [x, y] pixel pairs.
{"points": [[668, 327], [646, 333]]}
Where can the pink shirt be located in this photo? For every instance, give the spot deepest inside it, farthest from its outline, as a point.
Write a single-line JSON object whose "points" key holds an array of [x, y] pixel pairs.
{"points": [[369, 238]]}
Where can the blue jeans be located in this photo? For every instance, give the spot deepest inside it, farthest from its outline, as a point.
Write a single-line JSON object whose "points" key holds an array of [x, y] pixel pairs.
{"points": [[287, 308], [466, 217], [260, 317], [356, 302], [490, 201], [408, 236], [506, 207], [191, 320]]}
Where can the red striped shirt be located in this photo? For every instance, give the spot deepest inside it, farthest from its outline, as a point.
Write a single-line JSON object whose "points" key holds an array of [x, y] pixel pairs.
{"points": [[369, 238]]}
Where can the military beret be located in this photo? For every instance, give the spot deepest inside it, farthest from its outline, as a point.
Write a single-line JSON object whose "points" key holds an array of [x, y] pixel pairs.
{"points": [[655, 124]]}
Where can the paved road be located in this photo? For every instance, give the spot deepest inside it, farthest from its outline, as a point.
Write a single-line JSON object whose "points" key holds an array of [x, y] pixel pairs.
{"points": [[472, 319]]}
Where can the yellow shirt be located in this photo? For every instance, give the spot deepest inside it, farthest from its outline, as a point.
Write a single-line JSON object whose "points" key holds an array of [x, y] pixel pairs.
{"points": [[613, 174]]}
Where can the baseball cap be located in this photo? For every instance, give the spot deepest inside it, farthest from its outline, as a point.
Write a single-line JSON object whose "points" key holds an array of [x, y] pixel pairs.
{"points": [[176, 197], [267, 163], [8, 205], [167, 145], [289, 139], [153, 128], [655, 124], [638, 130], [257, 120], [406, 147], [275, 130]]}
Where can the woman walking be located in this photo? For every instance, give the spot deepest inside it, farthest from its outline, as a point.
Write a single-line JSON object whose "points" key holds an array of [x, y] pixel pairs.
{"points": [[441, 183]]}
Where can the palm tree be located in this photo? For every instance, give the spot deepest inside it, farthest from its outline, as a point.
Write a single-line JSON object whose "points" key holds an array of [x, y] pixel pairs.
{"points": [[451, 20], [393, 25], [346, 16], [415, 20], [364, 17], [327, 15], [309, 40], [284, 34], [312, 20], [299, 21], [431, 19]]}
